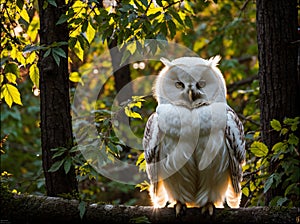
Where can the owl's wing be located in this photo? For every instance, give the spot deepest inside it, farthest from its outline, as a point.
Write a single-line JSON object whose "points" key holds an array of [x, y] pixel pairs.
{"points": [[151, 139], [152, 147], [235, 142]]}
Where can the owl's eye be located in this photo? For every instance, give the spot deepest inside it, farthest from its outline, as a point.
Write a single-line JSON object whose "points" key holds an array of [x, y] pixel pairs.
{"points": [[200, 84], [179, 85]]}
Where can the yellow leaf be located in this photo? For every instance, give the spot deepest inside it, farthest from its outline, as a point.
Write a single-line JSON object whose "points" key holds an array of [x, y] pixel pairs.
{"points": [[12, 78], [132, 47], [14, 52], [141, 162], [33, 28], [132, 114], [75, 32], [10, 94], [24, 15], [246, 191], [78, 50], [79, 7], [34, 74], [90, 33], [75, 77], [111, 21], [31, 58], [1, 79]]}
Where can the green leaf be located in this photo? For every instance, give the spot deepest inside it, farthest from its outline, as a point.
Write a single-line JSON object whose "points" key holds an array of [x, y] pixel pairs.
{"points": [[59, 51], [280, 201], [293, 139], [57, 154], [275, 124], [159, 2], [291, 189], [268, 183], [259, 149], [145, 2], [58, 149], [47, 53], [293, 122], [82, 208], [125, 56], [188, 22], [176, 16], [56, 58], [62, 19], [245, 191], [34, 75], [172, 28], [67, 165], [10, 94], [55, 166], [280, 146], [74, 149], [20, 4], [284, 131], [12, 68], [52, 2], [140, 219]]}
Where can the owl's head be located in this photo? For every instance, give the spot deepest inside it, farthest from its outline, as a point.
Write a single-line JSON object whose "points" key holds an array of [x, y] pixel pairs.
{"points": [[190, 82]]}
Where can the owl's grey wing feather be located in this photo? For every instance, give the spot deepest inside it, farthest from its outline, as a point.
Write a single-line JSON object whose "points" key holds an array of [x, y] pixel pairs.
{"points": [[151, 145], [235, 142], [151, 139]]}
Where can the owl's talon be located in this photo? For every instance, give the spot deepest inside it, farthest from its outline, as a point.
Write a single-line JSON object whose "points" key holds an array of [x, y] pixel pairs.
{"points": [[180, 209], [167, 204], [208, 207]]}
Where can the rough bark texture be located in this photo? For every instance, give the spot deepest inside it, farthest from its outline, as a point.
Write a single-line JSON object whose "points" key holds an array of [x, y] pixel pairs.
{"points": [[38, 209], [121, 73], [279, 81], [56, 127]]}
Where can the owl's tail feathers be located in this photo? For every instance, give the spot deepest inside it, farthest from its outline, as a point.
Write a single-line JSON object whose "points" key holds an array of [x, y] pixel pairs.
{"points": [[232, 197], [158, 194]]}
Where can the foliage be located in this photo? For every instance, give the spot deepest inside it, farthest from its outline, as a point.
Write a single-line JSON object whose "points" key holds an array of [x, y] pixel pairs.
{"points": [[259, 178]]}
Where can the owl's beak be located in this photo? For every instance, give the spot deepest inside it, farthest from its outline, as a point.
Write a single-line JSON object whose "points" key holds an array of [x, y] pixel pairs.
{"points": [[192, 95]]}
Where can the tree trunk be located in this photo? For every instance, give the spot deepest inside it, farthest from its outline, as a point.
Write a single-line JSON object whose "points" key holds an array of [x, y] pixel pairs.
{"points": [[56, 127], [279, 83], [38, 209], [121, 73]]}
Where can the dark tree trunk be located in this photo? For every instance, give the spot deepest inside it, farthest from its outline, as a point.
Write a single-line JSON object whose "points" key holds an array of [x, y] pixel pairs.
{"points": [[279, 82], [56, 127], [121, 73]]}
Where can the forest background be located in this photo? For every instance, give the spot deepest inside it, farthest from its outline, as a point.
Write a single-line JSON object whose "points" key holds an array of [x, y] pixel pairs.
{"points": [[208, 28]]}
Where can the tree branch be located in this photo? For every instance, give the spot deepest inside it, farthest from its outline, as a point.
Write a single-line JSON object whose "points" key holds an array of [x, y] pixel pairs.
{"points": [[39, 209], [232, 87]]}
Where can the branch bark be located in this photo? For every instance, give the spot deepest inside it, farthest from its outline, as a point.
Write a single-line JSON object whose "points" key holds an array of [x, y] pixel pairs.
{"points": [[42, 209]]}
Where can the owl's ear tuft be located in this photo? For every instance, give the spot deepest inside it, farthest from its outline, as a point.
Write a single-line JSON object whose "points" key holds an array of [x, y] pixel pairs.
{"points": [[166, 62], [214, 61]]}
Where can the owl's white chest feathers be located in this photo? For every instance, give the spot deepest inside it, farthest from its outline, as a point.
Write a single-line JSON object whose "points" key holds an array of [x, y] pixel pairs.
{"points": [[193, 153]]}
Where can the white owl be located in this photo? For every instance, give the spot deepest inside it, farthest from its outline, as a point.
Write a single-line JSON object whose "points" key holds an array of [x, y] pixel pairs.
{"points": [[194, 143]]}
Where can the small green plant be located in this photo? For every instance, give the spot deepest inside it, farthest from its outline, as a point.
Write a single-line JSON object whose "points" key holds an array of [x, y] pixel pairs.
{"points": [[284, 156]]}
